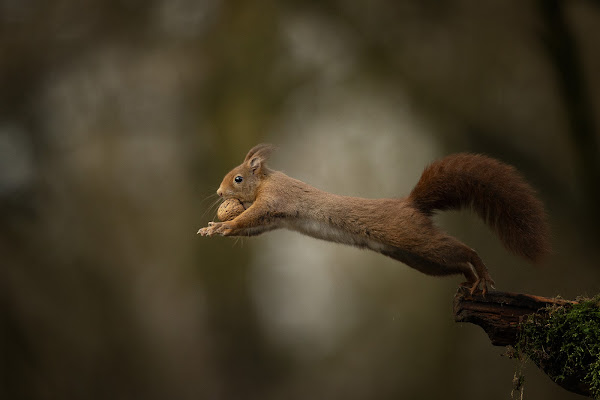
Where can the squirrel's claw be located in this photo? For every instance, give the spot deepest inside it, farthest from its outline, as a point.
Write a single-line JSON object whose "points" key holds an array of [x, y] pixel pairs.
{"points": [[215, 228], [483, 282], [209, 230]]}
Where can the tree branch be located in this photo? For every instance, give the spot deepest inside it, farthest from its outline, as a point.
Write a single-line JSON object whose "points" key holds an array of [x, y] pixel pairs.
{"points": [[500, 315]]}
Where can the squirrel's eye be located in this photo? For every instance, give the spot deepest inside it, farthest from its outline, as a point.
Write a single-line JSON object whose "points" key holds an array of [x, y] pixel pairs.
{"points": [[238, 179]]}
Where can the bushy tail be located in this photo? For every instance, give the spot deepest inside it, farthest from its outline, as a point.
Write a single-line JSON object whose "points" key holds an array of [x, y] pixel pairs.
{"points": [[495, 191]]}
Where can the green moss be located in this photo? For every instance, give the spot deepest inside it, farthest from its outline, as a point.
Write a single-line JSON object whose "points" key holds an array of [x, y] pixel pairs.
{"points": [[565, 342]]}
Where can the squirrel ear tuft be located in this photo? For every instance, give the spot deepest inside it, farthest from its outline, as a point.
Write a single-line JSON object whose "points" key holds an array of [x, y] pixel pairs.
{"points": [[258, 155]]}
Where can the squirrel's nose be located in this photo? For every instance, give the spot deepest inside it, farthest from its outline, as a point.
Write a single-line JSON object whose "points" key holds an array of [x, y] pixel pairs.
{"points": [[220, 192]]}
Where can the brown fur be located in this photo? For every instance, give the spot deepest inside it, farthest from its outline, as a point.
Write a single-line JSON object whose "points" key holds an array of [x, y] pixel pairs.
{"points": [[495, 191], [398, 228]]}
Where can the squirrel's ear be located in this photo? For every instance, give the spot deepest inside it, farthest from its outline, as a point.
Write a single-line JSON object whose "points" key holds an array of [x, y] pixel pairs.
{"points": [[258, 155]]}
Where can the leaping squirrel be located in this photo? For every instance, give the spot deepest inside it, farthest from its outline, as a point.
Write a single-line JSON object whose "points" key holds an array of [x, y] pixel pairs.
{"points": [[400, 228]]}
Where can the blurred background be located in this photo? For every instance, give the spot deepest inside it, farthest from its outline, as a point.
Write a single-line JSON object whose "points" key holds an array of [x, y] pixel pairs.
{"points": [[118, 120]]}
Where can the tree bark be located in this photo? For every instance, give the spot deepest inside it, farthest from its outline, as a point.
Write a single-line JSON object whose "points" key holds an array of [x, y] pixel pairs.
{"points": [[500, 313]]}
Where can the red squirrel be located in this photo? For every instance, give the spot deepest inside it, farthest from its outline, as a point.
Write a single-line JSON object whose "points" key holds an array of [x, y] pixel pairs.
{"points": [[400, 228]]}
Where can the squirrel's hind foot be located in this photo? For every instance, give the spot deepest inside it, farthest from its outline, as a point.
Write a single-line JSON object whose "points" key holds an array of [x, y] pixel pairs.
{"points": [[483, 282]]}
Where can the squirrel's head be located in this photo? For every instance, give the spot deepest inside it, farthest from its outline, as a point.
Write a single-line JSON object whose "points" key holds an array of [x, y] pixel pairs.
{"points": [[243, 181]]}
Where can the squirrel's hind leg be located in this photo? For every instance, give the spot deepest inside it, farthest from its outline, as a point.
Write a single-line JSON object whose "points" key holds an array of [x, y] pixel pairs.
{"points": [[441, 255], [458, 256], [477, 275]]}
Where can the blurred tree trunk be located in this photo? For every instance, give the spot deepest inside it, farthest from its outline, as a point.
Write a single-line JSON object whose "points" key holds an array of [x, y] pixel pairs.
{"points": [[565, 58]]}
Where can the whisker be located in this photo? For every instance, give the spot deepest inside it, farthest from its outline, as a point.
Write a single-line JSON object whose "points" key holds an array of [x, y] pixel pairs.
{"points": [[208, 197], [214, 207], [239, 240], [211, 209]]}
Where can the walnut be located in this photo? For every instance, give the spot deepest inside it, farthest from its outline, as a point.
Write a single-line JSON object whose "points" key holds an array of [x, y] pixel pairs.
{"points": [[230, 209]]}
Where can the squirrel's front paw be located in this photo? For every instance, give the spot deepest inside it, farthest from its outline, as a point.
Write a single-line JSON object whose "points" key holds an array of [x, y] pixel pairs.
{"points": [[215, 228], [203, 231]]}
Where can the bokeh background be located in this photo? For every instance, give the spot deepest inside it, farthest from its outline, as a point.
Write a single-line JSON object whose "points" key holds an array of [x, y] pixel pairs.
{"points": [[118, 120]]}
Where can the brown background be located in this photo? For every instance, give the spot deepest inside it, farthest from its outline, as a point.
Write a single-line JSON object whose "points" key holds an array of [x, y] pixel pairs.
{"points": [[119, 118]]}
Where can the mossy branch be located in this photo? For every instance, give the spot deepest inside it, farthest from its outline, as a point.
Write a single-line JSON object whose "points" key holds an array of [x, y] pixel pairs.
{"points": [[499, 313], [562, 337]]}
